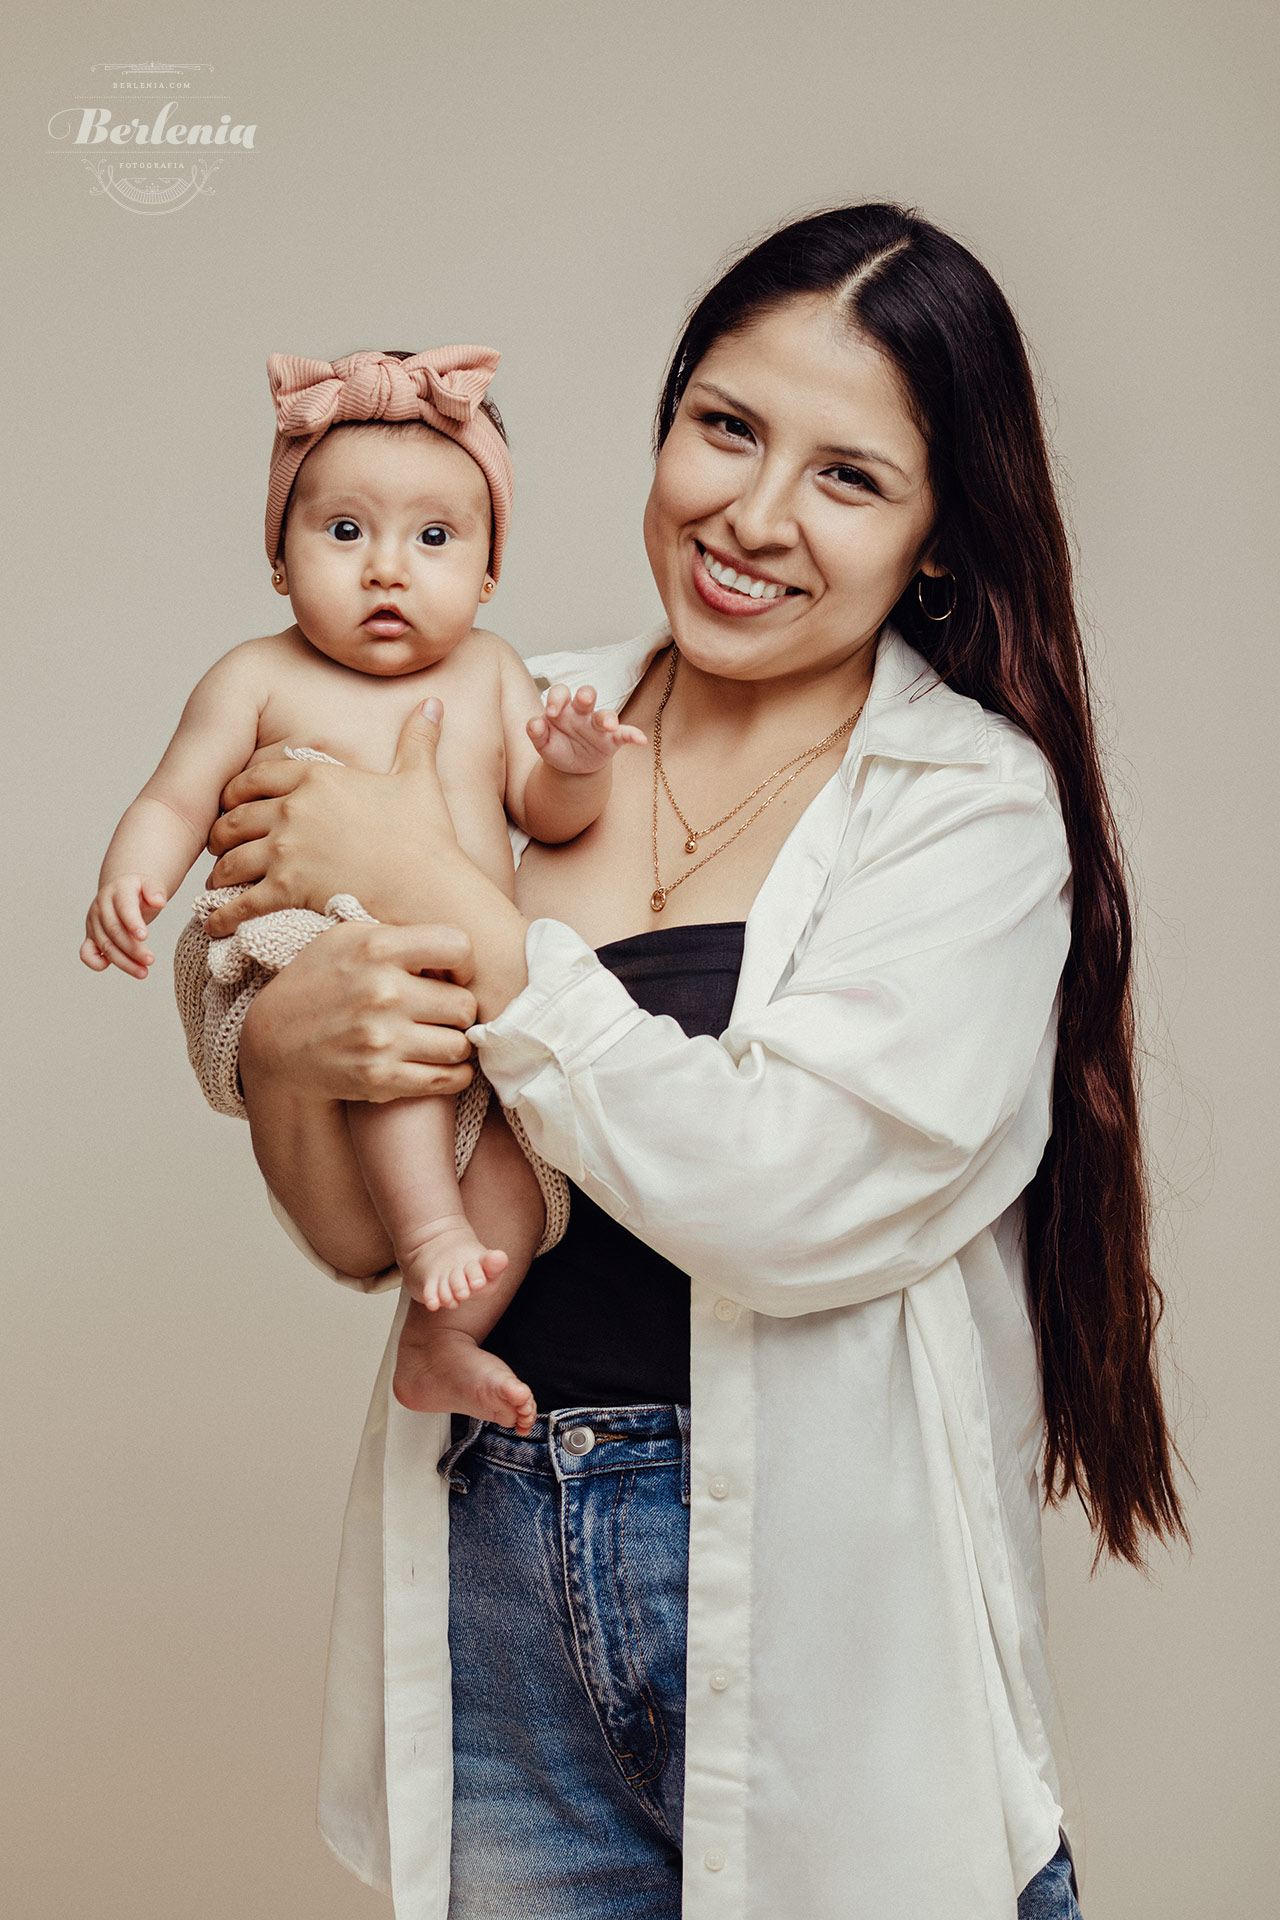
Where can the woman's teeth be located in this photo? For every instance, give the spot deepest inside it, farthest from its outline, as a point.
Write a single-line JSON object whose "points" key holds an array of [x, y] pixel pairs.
{"points": [[744, 583]]}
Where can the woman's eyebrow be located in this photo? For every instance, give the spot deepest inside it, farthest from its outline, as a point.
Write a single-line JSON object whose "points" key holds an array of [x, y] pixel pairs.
{"points": [[856, 456]]}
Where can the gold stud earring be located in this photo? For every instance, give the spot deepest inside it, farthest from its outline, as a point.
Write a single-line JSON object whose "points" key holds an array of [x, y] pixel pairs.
{"points": [[276, 577]]}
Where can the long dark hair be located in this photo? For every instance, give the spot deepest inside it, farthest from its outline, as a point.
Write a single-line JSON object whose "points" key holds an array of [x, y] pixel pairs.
{"points": [[1013, 643]]}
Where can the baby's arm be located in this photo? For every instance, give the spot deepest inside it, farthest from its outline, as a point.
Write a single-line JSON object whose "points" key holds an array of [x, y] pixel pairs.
{"points": [[559, 757], [164, 830]]}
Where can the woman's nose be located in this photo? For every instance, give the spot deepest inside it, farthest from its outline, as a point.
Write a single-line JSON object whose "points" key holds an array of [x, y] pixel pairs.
{"points": [[764, 513]]}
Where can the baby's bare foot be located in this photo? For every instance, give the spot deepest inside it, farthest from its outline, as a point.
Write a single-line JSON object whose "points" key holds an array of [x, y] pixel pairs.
{"points": [[444, 1264], [440, 1369]]}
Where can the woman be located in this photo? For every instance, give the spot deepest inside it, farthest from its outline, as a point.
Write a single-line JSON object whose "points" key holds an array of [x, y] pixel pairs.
{"points": [[876, 699]]}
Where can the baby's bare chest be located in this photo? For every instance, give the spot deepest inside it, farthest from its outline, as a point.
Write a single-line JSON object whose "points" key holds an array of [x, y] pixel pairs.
{"points": [[358, 718]]}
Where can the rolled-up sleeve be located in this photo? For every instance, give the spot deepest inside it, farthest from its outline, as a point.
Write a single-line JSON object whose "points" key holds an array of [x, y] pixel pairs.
{"points": [[889, 1101]]}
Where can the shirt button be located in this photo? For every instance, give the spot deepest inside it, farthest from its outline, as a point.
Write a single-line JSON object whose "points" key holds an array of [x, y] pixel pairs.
{"points": [[718, 1488], [578, 1440], [725, 1309], [719, 1679], [713, 1862]]}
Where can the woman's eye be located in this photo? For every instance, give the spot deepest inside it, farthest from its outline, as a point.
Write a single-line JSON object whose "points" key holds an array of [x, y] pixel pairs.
{"points": [[729, 423], [435, 536], [343, 529], [853, 477]]}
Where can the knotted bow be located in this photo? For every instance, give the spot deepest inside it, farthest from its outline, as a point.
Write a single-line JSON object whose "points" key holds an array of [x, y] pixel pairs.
{"points": [[312, 395], [442, 388]]}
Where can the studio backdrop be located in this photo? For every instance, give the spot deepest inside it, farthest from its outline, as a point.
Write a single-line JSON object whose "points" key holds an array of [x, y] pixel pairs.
{"points": [[182, 1393]]}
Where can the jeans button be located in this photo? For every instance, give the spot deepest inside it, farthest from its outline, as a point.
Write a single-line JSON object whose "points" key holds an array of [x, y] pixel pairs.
{"points": [[578, 1440]]}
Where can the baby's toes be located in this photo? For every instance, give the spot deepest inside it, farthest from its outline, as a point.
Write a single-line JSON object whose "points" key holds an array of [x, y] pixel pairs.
{"points": [[524, 1409]]}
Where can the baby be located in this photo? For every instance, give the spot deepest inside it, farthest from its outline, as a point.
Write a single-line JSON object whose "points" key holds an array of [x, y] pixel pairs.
{"points": [[387, 510]]}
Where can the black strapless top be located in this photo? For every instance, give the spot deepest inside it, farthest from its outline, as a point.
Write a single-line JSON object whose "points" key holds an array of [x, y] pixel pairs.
{"points": [[602, 1320]]}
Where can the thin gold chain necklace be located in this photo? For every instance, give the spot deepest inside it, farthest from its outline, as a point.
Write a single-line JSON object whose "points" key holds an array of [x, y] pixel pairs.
{"points": [[793, 768]]}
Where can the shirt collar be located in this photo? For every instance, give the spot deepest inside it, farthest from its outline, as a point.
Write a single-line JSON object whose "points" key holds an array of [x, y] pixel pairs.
{"points": [[913, 715], [910, 713]]}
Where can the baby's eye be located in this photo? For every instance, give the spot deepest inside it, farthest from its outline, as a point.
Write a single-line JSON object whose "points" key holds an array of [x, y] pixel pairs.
{"points": [[435, 536], [343, 529]]}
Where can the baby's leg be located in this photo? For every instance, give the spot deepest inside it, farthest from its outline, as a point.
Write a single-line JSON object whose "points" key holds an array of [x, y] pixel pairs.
{"points": [[441, 1367], [405, 1150]]}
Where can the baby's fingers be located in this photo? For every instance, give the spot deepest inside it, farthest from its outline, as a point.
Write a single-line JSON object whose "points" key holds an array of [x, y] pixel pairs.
{"points": [[122, 947], [114, 954], [615, 732], [93, 956]]}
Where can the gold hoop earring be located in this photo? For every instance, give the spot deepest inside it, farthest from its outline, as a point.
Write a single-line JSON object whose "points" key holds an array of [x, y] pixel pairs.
{"points": [[938, 617]]}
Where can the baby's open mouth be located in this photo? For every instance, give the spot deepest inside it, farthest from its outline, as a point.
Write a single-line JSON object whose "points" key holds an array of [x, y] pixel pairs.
{"points": [[386, 620]]}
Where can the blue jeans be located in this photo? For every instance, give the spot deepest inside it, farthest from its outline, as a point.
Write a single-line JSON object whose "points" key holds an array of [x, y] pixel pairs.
{"points": [[568, 1573]]}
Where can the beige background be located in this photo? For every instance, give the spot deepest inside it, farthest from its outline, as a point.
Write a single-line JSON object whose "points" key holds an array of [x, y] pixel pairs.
{"points": [[182, 1394]]}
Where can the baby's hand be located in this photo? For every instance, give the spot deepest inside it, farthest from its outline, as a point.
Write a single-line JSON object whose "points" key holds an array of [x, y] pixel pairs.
{"points": [[117, 925], [574, 736]]}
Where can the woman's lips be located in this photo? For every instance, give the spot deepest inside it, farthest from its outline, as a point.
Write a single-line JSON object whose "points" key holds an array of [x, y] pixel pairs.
{"points": [[727, 599]]}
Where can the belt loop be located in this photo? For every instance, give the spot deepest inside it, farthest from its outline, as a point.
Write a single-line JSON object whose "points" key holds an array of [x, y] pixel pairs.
{"points": [[458, 1482], [682, 1421]]}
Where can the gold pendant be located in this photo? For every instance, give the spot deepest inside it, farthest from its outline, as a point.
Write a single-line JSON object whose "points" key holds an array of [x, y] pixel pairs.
{"points": [[658, 899], [691, 844]]}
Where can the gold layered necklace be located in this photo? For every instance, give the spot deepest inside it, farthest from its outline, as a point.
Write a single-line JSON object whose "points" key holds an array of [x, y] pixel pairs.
{"points": [[792, 769]]}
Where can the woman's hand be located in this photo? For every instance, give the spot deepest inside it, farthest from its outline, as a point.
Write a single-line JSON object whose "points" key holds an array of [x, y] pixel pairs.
{"points": [[295, 832], [354, 1018]]}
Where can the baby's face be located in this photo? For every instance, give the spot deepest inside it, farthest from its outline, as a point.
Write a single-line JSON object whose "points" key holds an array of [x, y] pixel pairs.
{"points": [[386, 547]]}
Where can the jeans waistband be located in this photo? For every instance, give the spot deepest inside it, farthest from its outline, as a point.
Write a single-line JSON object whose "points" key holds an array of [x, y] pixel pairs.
{"points": [[574, 1443]]}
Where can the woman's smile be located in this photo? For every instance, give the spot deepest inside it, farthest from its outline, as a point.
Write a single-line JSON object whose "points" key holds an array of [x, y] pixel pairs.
{"points": [[734, 589]]}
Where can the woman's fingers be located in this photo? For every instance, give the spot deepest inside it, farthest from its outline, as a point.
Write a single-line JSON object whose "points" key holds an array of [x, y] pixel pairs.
{"points": [[433, 1039], [419, 738], [262, 898], [266, 780], [436, 950], [250, 820], [240, 866]]}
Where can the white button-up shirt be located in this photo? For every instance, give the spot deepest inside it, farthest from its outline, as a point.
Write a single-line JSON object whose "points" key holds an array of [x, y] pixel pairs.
{"points": [[872, 1732]]}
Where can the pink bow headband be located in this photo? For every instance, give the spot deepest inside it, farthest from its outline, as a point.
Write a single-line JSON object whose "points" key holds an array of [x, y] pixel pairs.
{"points": [[443, 387]]}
